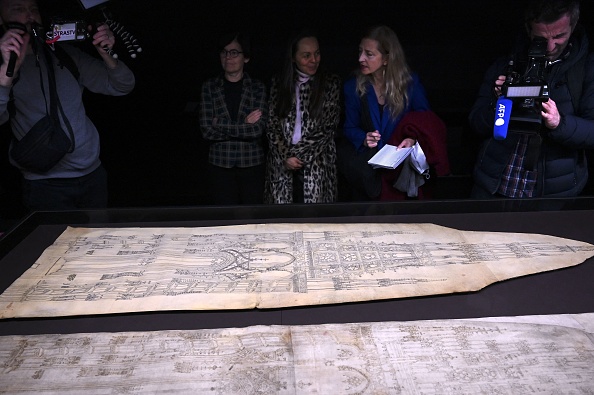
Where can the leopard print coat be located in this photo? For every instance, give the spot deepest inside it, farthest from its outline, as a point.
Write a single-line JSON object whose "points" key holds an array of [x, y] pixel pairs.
{"points": [[316, 149]]}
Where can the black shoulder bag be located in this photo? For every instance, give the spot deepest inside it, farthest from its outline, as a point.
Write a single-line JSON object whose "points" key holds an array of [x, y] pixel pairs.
{"points": [[46, 143], [353, 164]]}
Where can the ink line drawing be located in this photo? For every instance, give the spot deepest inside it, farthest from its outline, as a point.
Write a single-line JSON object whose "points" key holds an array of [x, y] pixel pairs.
{"points": [[119, 270]]}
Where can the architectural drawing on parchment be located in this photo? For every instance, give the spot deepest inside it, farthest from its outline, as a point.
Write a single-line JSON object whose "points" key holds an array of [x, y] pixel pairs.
{"points": [[419, 357], [100, 271]]}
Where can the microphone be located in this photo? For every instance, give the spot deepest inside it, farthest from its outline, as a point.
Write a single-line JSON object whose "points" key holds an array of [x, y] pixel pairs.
{"points": [[11, 64], [503, 110], [13, 55]]}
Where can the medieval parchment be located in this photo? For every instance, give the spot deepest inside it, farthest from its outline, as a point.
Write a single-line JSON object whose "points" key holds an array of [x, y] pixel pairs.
{"points": [[100, 271], [417, 357]]}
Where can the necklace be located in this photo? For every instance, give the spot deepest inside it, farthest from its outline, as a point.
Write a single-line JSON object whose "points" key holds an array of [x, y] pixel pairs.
{"points": [[379, 94]]}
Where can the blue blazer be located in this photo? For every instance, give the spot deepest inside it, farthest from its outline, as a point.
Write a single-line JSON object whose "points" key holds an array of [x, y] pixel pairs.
{"points": [[384, 124]]}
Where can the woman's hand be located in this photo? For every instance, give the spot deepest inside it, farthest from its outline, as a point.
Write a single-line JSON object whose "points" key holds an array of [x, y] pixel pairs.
{"points": [[407, 142], [293, 163], [372, 138], [253, 116]]}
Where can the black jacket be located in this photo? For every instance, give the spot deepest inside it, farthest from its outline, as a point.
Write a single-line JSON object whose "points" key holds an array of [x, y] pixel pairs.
{"points": [[562, 168]]}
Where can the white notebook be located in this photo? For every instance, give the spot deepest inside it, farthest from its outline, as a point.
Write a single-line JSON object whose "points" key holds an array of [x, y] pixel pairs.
{"points": [[389, 157]]}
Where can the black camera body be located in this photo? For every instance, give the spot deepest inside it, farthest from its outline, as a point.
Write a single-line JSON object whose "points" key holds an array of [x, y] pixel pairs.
{"points": [[61, 29], [526, 86], [529, 83], [67, 31]]}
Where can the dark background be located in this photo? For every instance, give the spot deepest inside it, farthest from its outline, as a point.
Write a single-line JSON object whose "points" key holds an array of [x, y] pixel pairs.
{"points": [[151, 144]]}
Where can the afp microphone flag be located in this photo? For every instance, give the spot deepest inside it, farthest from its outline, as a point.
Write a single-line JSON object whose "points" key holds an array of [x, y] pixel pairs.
{"points": [[503, 110]]}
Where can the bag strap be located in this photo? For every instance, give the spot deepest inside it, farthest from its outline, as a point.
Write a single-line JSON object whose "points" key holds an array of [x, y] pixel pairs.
{"points": [[66, 60], [55, 103], [51, 78], [366, 122]]}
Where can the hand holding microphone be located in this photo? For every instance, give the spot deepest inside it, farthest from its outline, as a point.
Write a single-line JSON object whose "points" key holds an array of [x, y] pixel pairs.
{"points": [[14, 38]]}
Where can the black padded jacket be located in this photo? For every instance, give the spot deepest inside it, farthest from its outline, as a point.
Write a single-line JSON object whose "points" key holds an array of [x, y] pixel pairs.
{"points": [[561, 166]]}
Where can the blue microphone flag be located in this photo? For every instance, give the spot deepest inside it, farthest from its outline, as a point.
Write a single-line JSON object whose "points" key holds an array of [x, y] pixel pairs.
{"points": [[503, 110]]}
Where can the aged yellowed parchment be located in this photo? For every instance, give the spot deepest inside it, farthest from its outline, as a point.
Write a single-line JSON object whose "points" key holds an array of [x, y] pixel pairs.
{"points": [[100, 271], [533, 355]]}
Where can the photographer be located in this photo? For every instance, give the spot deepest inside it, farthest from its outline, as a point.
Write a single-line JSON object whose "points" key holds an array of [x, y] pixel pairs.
{"points": [[551, 161], [78, 180]]}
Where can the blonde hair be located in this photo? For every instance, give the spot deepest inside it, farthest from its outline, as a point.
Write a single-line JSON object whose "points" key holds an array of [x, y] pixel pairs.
{"points": [[397, 77]]}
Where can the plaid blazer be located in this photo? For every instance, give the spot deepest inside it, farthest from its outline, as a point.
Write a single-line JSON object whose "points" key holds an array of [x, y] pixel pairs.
{"points": [[233, 143]]}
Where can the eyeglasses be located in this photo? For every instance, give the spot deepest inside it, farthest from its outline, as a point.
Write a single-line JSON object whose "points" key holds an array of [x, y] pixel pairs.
{"points": [[232, 53]]}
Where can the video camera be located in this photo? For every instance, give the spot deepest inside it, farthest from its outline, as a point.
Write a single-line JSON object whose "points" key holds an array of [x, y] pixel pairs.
{"points": [[531, 83], [518, 109], [77, 30]]}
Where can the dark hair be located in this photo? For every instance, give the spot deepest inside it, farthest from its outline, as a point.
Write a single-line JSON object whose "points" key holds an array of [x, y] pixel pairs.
{"points": [[549, 11], [288, 76], [242, 39]]}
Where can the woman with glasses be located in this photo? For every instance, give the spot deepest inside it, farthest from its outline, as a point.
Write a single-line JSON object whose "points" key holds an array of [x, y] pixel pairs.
{"points": [[232, 119], [304, 111]]}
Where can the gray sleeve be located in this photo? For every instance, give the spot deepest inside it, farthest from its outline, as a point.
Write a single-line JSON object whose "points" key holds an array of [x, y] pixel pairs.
{"points": [[98, 78], [4, 98]]}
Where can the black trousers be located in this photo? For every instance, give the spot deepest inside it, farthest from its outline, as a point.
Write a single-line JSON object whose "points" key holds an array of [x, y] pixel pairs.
{"points": [[237, 185], [88, 191], [298, 187]]}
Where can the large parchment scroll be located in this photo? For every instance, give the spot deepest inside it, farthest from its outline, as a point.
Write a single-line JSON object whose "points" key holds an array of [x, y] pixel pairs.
{"points": [[539, 355], [100, 271]]}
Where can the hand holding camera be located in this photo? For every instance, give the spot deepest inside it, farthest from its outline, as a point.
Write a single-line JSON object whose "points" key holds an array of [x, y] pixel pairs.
{"points": [[104, 40], [523, 95], [499, 85], [550, 114], [102, 34]]}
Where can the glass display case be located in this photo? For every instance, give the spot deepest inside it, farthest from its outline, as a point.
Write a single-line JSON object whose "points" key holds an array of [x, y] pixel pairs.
{"points": [[561, 291]]}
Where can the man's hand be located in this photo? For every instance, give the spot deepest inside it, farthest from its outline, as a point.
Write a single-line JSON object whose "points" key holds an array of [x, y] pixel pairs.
{"points": [[550, 114], [17, 41], [498, 84], [104, 40]]}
